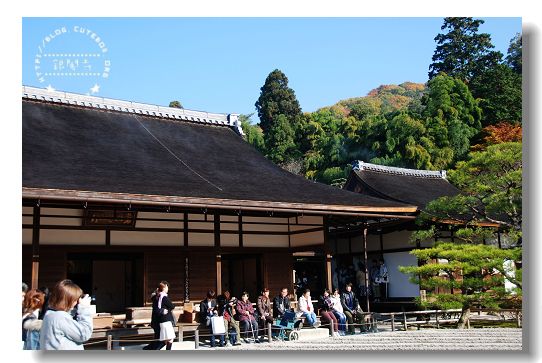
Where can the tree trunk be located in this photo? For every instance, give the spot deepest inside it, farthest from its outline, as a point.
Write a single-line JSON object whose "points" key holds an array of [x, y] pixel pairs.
{"points": [[465, 314]]}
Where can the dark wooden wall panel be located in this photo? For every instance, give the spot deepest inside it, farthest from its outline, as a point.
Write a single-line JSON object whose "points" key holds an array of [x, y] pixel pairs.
{"points": [[278, 272], [202, 274], [27, 265], [165, 265], [52, 266]]}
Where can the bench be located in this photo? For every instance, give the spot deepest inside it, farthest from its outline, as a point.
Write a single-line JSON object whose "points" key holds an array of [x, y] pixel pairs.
{"points": [[423, 318]]}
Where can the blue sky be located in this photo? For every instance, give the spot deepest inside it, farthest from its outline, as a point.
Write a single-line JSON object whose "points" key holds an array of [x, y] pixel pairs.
{"points": [[219, 64]]}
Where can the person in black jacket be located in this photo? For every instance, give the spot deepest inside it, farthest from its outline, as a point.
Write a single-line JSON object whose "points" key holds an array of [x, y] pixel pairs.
{"points": [[281, 304], [351, 308], [207, 309], [163, 308], [156, 344]]}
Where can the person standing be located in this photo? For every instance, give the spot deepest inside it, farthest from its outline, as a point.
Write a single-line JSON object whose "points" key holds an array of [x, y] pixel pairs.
{"points": [[33, 304], [164, 308], [383, 278], [156, 344], [60, 330], [375, 278]]}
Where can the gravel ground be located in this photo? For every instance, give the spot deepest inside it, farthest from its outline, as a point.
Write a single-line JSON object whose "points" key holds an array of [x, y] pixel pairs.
{"points": [[421, 340]]}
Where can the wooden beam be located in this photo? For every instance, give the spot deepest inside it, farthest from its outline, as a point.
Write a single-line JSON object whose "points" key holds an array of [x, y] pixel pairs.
{"points": [[178, 201], [35, 247]]}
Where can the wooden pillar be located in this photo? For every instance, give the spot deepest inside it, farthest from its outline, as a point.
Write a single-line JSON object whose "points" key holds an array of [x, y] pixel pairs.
{"points": [[367, 278], [186, 281], [35, 247], [327, 249], [218, 275], [328, 271]]}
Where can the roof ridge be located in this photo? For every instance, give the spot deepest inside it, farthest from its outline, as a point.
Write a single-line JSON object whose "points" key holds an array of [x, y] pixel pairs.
{"points": [[102, 103], [432, 174]]}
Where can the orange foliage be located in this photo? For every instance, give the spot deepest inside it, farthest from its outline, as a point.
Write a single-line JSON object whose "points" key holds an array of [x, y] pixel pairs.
{"points": [[499, 133]]}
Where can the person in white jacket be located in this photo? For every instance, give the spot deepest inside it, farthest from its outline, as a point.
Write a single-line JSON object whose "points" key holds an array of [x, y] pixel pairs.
{"points": [[60, 331], [305, 308]]}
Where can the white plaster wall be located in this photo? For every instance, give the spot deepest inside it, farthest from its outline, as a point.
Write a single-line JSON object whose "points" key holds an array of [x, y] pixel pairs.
{"points": [[258, 240], [70, 237], [136, 238]]}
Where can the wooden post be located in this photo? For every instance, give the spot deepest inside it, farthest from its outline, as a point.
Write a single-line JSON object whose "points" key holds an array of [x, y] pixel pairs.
{"points": [[35, 247], [218, 275], [328, 271], [180, 338], [186, 281], [196, 339], [269, 333], [366, 268], [392, 322], [327, 251], [109, 341], [185, 229], [404, 321]]}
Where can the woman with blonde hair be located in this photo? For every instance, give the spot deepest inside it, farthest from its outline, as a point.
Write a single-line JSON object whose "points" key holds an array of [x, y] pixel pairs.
{"points": [[60, 330], [32, 304]]}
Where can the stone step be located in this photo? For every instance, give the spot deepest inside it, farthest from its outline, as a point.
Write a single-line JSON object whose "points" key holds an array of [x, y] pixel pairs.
{"points": [[307, 334]]}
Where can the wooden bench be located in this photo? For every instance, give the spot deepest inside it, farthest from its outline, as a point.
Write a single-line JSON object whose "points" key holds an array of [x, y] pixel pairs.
{"points": [[141, 316], [423, 318]]}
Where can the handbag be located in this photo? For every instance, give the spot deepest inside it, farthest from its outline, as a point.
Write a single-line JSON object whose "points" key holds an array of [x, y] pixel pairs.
{"points": [[217, 325]]}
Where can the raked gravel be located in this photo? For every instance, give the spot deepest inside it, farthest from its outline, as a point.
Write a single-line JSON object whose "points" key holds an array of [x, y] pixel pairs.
{"points": [[420, 340]]}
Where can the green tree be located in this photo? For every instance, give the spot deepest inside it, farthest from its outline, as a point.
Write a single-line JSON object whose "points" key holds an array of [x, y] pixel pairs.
{"points": [[279, 141], [476, 274], [327, 134], [176, 104], [276, 98], [253, 133], [491, 184], [513, 58], [461, 51], [452, 118], [500, 95]]}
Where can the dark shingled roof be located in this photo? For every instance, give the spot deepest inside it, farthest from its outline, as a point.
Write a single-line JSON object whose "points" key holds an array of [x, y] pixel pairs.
{"points": [[67, 147], [406, 186]]}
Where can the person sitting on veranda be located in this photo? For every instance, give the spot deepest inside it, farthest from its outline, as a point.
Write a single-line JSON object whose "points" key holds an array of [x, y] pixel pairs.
{"points": [[208, 309], [245, 313], [281, 304], [351, 308], [338, 311], [325, 304], [305, 309], [226, 308], [264, 308]]}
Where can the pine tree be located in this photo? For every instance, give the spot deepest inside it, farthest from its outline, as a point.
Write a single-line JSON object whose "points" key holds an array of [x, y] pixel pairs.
{"points": [[462, 52]]}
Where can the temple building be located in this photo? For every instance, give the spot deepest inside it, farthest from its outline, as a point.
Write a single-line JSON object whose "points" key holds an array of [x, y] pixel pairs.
{"points": [[118, 195]]}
